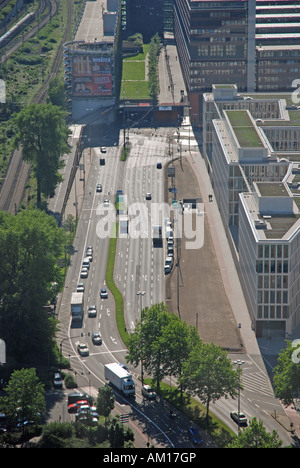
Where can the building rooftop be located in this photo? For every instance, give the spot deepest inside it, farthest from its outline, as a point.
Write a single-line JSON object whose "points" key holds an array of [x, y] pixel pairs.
{"points": [[244, 129]]}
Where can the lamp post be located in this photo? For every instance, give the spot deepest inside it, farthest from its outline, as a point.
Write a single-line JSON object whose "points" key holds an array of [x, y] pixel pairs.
{"points": [[239, 363]]}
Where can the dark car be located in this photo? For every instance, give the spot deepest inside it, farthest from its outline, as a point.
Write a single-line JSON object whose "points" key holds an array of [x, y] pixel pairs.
{"points": [[159, 165], [103, 293], [99, 188], [194, 435], [96, 338]]}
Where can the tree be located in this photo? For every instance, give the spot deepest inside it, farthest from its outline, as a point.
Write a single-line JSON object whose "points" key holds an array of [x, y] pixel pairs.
{"points": [[24, 398], [145, 343], [256, 436], [30, 245], [208, 374], [105, 401], [42, 133], [56, 92], [287, 375]]}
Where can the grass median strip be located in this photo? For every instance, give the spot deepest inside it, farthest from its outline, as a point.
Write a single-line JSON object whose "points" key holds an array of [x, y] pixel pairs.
{"points": [[113, 288]]}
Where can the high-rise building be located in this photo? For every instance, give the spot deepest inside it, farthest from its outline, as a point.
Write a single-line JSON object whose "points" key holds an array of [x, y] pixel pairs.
{"points": [[216, 44]]}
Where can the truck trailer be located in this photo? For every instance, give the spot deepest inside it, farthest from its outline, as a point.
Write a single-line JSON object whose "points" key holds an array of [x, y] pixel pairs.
{"points": [[120, 378], [77, 305]]}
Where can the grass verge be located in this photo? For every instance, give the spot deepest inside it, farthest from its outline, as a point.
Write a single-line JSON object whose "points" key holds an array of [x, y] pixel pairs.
{"points": [[113, 288]]}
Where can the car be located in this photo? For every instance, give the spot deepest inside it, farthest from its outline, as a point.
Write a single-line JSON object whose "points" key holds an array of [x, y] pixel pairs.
{"points": [[124, 367], [103, 293], [82, 349], [236, 417], [84, 273], [96, 338], [106, 202], [159, 165], [103, 149], [148, 196], [89, 247], [80, 287], [102, 161], [195, 436], [73, 407], [57, 380], [92, 311], [148, 392], [99, 188]]}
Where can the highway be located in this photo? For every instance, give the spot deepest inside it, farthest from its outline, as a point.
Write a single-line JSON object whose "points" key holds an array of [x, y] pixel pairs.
{"points": [[139, 275], [139, 267]]}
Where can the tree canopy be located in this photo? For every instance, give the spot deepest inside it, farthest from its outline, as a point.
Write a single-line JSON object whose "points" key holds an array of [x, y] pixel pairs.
{"points": [[42, 133], [30, 245]]}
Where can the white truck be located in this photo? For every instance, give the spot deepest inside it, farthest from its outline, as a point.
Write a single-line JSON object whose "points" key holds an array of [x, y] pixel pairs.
{"points": [[77, 305], [157, 235], [120, 378]]}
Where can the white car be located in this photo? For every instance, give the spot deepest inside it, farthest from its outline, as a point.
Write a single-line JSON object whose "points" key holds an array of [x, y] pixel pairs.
{"points": [[92, 311], [82, 349], [148, 392], [106, 202], [84, 273], [80, 287]]}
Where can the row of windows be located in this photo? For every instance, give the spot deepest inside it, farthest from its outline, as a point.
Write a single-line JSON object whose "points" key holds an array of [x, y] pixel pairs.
{"points": [[273, 282], [228, 49], [272, 297], [204, 64], [272, 266], [273, 251], [272, 312]]}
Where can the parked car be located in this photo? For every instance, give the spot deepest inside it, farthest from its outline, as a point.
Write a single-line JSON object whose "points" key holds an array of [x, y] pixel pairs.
{"points": [[195, 436], [159, 165], [102, 161], [103, 149], [96, 338], [84, 273], [80, 287], [148, 196], [99, 188], [103, 293], [236, 417], [148, 392]]}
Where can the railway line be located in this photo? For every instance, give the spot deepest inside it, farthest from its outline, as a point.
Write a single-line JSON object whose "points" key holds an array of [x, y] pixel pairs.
{"points": [[14, 184]]}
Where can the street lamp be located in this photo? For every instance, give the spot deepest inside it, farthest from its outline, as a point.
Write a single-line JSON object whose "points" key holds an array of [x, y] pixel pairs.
{"points": [[239, 363], [141, 294]]}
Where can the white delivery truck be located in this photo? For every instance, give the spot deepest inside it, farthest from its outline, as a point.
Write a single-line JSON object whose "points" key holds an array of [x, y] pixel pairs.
{"points": [[157, 235], [120, 378], [77, 305]]}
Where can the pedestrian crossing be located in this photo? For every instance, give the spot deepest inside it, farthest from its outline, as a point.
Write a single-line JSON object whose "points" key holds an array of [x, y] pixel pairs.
{"points": [[257, 382]]}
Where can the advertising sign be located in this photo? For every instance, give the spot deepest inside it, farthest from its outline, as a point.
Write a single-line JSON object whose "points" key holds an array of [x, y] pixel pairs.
{"points": [[92, 75]]}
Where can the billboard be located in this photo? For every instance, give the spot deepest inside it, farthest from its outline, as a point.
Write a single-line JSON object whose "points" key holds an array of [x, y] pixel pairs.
{"points": [[92, 75]]}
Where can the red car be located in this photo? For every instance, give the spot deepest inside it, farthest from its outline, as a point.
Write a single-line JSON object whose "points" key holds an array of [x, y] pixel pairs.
{"points": [[75, 406]]}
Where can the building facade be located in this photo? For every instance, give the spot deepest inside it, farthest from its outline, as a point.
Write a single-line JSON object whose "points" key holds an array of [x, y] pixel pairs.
{"points": [[251, 147]]}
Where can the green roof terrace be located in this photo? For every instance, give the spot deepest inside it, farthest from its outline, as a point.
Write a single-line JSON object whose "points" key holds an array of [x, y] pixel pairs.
{"points": [[245, 131]]}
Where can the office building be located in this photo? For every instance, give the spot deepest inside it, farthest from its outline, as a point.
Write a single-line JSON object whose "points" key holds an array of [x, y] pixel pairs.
{"points": [[252, 151]]}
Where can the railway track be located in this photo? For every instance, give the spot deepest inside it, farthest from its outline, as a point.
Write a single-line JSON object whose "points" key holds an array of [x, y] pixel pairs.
{"points": [[14, 184]]}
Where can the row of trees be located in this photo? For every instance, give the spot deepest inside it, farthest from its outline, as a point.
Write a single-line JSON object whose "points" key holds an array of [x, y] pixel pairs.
{"points": [[168, 346], [153, 76]]}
